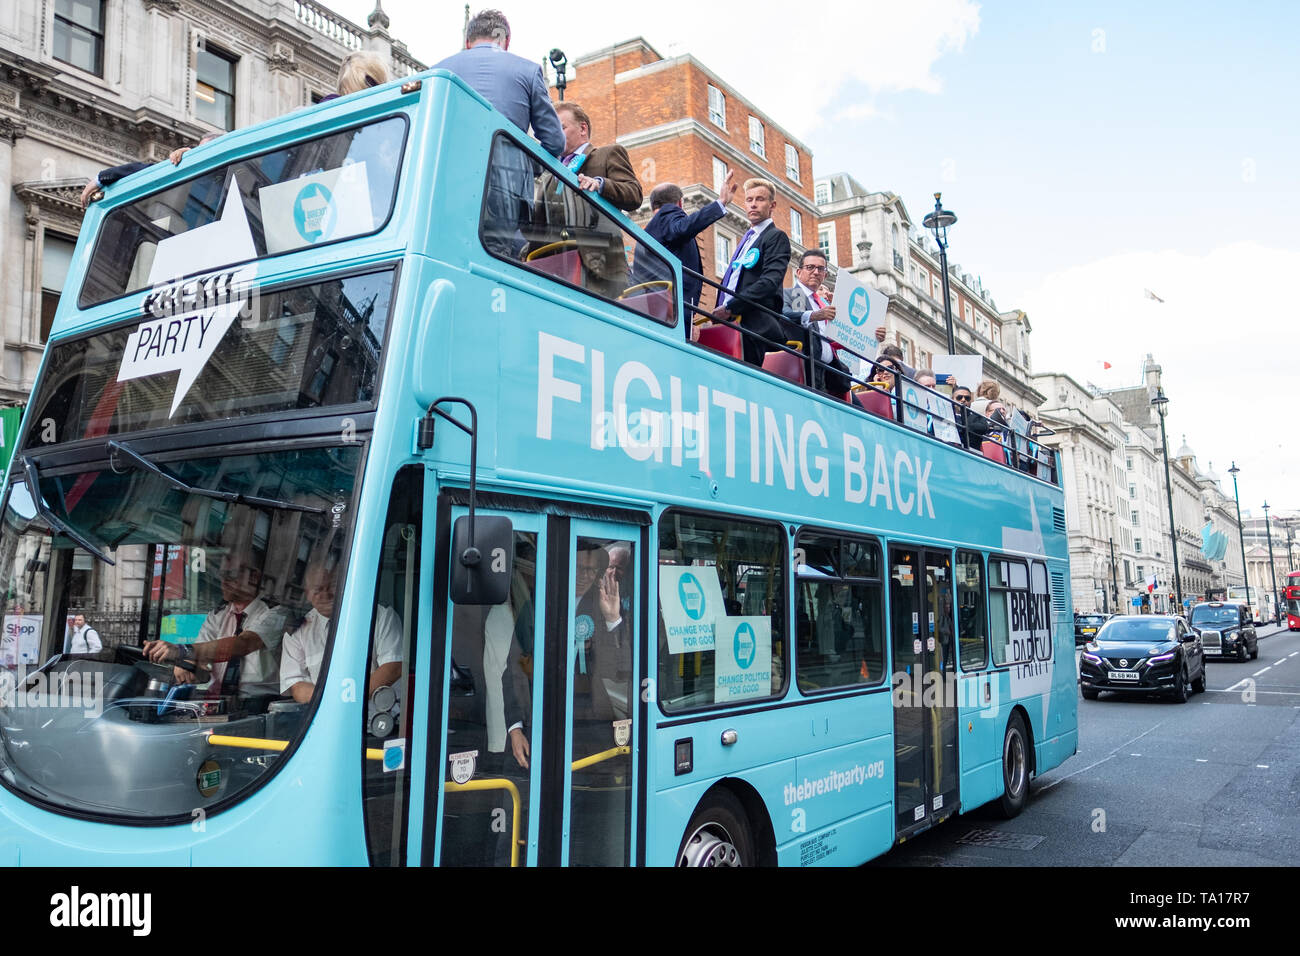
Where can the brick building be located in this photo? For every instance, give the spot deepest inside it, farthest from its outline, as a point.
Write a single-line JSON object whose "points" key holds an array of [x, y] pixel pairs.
{"points": [[682, 123]]}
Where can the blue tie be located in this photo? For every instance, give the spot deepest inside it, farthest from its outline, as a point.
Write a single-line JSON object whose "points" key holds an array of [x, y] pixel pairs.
{"points": [[731, 266]]}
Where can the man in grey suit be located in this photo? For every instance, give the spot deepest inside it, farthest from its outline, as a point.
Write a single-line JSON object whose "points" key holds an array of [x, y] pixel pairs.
{"points": [[515, 87], [804, 308]]}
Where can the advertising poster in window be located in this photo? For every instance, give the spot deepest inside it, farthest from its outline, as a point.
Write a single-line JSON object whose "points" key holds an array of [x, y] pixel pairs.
{"points": [[742, 661], [334, 204], [21, 641], [690, 599], [1030, 642]]}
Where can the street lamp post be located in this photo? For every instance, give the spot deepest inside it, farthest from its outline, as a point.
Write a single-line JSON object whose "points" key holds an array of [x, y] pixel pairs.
{"points": [[1160, 401], [938, 222], [559, 61], [1241, 535], [1272, 571]]}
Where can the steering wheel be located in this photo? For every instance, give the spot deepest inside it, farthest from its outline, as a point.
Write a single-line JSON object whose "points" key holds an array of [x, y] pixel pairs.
{"points": [[644, 286], [134, 654], [551, 248]]}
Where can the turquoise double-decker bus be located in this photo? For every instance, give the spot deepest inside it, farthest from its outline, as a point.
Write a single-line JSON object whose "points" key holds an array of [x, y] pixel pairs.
{"points": [[415, 530]]}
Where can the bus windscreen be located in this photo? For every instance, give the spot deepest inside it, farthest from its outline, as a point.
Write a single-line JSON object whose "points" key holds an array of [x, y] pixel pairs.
{"points": [[296, 347]]}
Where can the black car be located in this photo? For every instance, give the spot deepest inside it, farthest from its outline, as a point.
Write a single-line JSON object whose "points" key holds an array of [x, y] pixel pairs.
{"points": [[1143, 654], [1086, 626], [1226, 630]]}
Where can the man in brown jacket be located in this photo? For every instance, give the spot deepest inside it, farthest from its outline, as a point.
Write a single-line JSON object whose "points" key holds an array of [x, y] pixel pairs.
{"points": [[604, 170]]}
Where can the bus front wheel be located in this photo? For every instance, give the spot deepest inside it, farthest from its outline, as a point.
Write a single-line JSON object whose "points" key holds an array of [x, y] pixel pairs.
{"points": [[1015, 768], [718, 834]]}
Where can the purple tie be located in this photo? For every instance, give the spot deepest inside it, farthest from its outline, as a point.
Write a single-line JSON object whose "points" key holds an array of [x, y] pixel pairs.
{"points": [[731, 267]]}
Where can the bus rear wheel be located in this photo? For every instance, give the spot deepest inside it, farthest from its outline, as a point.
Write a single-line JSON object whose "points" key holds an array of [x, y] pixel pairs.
{"points": [[1015, 768], [718, 834]]}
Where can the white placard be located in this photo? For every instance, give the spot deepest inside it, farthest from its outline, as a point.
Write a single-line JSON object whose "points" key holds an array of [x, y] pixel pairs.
{"points": [[742, 661], [690, 599], [859, 310], [334, 204], [929, 413], [968, 370]]}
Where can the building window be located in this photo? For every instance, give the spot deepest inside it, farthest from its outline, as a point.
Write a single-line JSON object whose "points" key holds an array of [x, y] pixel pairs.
{"points": [[1135, 518], [1137, 545], [717, 107], [1128, 463], [796, 226], [1132, 491], [757, 139], [791, 162], [720, 171], [936, 287], [906, 346], [923, 282], [79, 34], [722, 246], [56, 257], [966, 313], [214, 88], [826, 242], [822, 193]]}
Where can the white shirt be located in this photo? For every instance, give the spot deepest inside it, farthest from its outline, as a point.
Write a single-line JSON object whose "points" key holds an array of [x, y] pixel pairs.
{"points": [[258, 671], [806, 320], [84, 640], [304, 648], [734, 278]]}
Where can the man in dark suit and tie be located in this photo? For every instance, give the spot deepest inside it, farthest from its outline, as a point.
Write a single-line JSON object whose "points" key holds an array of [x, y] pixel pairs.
{"points": [[677, 231], [806, 308], [756, 274]]}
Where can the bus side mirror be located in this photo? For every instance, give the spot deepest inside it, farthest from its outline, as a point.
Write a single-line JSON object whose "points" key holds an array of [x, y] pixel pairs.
{"points": [[481, 568]]}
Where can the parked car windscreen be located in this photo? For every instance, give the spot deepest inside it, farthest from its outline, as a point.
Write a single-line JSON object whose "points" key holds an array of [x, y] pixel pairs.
{"points": [[1137, 629]]}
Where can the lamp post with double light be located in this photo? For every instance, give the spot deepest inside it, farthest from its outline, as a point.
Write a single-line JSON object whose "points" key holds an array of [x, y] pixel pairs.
{"points": [[938, 223], [1159, 403]]}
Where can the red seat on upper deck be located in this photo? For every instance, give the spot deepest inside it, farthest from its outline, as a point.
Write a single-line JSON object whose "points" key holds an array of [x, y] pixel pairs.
{"points": [[724, 339], [994, 452], [563, 265], [788, 365], [875, 401], [658, 304]]}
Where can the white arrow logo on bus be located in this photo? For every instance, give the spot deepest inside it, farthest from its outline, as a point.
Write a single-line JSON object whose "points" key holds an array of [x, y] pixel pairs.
{"points": [[184, 343]]}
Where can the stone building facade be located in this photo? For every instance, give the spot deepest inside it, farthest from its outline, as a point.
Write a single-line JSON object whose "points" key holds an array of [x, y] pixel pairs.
{"points": [[98, 83]]}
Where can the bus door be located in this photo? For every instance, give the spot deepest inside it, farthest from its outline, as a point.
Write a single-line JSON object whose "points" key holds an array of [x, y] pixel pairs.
{"points": [[539, 696], [481, 804], [601, 703], [925, 680]]}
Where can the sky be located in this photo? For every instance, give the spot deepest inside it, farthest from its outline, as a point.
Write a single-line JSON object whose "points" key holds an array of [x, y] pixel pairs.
{"points": [[1091, 151]]}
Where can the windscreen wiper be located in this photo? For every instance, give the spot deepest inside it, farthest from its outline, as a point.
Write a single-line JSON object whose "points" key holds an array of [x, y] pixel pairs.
{"points": [[116, 448], [33, 476]]}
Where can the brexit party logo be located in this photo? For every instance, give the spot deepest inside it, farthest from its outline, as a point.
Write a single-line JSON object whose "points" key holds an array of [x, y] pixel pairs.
{"points": [[312, 212], [859, 306]]}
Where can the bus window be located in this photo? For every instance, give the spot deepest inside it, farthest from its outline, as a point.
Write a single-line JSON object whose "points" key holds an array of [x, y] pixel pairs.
{"points": [[839, 612], [304, 346], [1008, 597], [193, 618], [538, 220], [324, 190], [972, 633], [721, 613]]}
